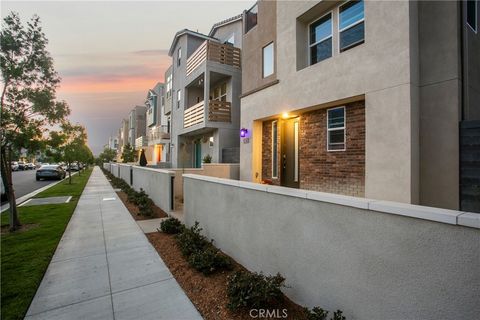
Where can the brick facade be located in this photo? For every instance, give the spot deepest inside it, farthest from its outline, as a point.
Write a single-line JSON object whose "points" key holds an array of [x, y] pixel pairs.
{"points": [[341, 172]]}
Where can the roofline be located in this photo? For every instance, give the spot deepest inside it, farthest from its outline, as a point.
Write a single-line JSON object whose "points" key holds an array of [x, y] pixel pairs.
{"points": [[189, 32], [225, 22]]}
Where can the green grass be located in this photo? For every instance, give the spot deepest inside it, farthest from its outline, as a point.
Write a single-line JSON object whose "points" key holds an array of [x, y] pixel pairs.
{"points": [[25, 255]]}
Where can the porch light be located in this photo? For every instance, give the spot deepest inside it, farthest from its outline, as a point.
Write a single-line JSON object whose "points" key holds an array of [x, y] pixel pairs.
{"points": [[243, 133], [285, 115]]}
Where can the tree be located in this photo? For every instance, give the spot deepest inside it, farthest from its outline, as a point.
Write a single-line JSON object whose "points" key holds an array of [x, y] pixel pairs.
{"points": [[128, 154], [107, 155], [143, 159], [28, 102]]}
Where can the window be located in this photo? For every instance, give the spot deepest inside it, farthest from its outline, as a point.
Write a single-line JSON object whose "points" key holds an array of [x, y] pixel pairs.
{"points": [[169, 86], [320, 41], [274, 149], [472, 14], [295, 131], [179, 98], [179, 56], [336, 129], [351, 24], [219, 92], [210, 142], [268, 63], [251, 18]]}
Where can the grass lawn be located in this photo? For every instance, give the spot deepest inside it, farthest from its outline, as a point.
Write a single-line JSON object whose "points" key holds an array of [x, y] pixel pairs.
{"points": [[25, 255]]}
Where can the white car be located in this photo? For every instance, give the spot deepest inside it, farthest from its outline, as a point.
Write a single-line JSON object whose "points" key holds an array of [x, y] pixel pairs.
{"points": [[15, 166]]}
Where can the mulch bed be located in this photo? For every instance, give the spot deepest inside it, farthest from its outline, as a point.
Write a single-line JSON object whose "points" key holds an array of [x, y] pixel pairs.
{"points": [[208, 293], [133, 209]]}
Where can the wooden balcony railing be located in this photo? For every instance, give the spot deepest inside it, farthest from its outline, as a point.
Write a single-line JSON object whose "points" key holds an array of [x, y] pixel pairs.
{"points": [[218, 111], [217, 52], [193, 115]]}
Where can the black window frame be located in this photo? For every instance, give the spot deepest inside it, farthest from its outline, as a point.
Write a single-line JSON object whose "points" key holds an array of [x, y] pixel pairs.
{"points": [[330, 37], [359, 22]]}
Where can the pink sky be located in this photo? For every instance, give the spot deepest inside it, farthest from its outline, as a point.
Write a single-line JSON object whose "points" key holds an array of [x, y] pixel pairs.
{"points": [[110, 53]]}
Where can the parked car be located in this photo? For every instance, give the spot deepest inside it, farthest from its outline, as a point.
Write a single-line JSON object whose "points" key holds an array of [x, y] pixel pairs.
{"points": [[31, 166], [14, 166], [50, 172], [74, 167], [22, 165]]}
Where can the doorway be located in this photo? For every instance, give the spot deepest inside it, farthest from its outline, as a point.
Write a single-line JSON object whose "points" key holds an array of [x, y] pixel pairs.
{"points": [[198, 154], [289, 148]]}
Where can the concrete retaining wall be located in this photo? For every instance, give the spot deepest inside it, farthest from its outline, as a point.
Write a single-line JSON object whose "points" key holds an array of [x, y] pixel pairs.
{"points": [[157, 184], [125, 172], [372, 259]]}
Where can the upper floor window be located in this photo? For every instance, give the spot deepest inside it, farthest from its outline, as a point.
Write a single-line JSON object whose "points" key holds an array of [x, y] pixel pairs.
{"points": [[179, 56], [251, 18], [336, 129], [169, 86], [220, 92], [268, 60], [231, 40], [351, 24], [472, 14], [320, 41], [179, 98]]}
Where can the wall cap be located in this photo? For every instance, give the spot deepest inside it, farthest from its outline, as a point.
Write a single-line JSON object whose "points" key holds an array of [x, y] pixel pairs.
{"points": [[171, 173], [454, 217]]}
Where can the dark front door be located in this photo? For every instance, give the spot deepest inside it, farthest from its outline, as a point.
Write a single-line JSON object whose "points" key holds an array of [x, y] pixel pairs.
{"points": [[198, 154], [289, 149]]}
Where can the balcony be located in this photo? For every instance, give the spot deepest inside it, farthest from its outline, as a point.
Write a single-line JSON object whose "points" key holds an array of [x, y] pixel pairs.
{"points": [[158, 134], [141, 142], [218, 111], [216, 52]]}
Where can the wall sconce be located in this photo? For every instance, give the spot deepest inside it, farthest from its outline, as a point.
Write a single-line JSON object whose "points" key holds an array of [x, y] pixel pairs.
{"points": [[243, 133]]}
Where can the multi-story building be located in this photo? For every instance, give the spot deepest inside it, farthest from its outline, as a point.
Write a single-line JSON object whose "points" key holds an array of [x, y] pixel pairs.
{"points": [[158, 126], [202, 94], [113, 142], [360, 98], [137, 127]]}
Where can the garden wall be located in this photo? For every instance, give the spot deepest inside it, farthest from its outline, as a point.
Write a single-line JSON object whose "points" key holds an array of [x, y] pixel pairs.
{"points": [[157, 183], [125, 172], [372, 259]]}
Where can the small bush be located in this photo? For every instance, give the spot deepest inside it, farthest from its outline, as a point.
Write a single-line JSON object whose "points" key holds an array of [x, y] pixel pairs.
{"points": [[207, 159], [209, 260], [316, 313], [144, 203], [253, 290], [171, 226], [190, 240]]}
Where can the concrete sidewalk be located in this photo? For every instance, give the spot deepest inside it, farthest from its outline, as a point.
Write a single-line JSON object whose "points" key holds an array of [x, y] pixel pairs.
{"points": [[105, 268]]}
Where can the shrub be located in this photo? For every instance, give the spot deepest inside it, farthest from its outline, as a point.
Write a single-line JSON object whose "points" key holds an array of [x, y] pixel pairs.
{"points": [[207, 159], [316, 313], [337, 315], [132, 196], [253, 290], [144, 203], [209, 260], [190, 240], [171, 226]]}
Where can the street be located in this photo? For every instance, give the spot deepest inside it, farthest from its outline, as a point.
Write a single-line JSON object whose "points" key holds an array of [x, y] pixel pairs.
{"points": [[24, 182]]}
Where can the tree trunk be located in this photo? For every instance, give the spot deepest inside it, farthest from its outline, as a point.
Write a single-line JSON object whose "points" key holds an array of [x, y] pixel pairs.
{"points": [[6, 170], [69, 173]]}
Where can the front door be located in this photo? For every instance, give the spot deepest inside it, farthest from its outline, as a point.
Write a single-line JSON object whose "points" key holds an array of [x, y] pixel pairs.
{"points": [[198, 154], [289, 149]]}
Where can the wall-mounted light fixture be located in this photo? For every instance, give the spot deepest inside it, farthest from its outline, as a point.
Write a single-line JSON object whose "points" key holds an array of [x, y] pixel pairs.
{"points": [[243, 133]]}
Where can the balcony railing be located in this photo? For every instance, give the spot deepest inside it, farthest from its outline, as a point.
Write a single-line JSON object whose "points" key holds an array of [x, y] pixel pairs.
{"points": [[218, 111], [158, 133], [217, 52], [141, 142]]}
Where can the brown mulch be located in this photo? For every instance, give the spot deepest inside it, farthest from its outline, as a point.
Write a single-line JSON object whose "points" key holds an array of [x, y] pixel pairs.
{"points": [[24, 227], [133, 209], [208, 293]]}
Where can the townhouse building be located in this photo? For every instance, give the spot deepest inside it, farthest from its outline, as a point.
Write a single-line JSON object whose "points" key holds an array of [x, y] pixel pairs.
{"points": [[157, 127], [137, 127], [203, 86], [363, 98]]}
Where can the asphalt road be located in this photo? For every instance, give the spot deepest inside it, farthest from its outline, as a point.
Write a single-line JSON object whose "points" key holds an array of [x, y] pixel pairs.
{"points": [[24, 182]]}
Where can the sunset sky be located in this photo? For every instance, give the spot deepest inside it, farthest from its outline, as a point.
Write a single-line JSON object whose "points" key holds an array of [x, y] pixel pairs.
{"points": [[110, 53]]}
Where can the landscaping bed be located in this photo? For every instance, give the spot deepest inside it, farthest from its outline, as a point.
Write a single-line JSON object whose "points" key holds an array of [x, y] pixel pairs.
{"points": [[26, 253], [208, 293], [135, 212]]}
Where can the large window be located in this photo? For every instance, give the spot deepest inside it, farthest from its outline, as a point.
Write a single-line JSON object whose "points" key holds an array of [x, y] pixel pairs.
{"points": [[169, 86], [336, 129], [268, 60], [179, 98], [274, 149], [472, 14], [219, 92], [251, 18], [179, 56], [351, 24], [320, 40]]}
